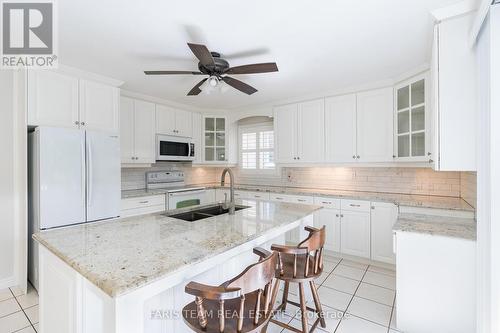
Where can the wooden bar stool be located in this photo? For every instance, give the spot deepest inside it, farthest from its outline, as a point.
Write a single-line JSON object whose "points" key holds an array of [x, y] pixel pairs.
{"points": [[243, 304], [301, 264]]}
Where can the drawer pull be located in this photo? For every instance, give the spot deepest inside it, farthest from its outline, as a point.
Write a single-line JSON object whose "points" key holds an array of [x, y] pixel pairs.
{"points": [[279, 198], [337, 215], [326, 202], [143, 202], [257, 196], [301, 200], [354, 205]]}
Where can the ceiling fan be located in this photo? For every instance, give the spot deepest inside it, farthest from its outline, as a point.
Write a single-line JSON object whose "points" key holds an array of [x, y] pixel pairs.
{"points": [[211, 64]]}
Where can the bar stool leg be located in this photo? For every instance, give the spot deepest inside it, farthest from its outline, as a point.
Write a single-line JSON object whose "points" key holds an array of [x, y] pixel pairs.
{"points": [[303, 308], [317, 303], [285, 296]]}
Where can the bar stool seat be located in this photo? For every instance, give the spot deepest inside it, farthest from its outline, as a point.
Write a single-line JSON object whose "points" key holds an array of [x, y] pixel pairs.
{"points": [[288, 264], [243, 304]]}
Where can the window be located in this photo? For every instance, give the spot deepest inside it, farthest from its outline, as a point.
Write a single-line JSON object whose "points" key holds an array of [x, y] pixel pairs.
{"points": [[257, 148]]}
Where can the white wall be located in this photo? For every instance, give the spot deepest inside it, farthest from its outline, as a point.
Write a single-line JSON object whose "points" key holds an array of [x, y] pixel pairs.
{"points": [[7, 204]]}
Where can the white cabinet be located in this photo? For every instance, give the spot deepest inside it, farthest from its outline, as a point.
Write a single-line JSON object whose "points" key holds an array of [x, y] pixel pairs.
{"points": [[355, 233], [170, 121], [374, 113], [99, 106], [383, 216], [359, 127], [299, 132], [285, 131], [411, 120], [340, 128], [197, 131], [142, 205], [215, 143], [52, 99], [329, 216], [62, 100], [137, 131], [454, 92]]}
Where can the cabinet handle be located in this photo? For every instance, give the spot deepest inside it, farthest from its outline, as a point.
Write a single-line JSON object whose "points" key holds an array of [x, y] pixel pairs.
{"points": [[354, 205], [77, 122], [431, 160], [341, 215], [326, 202], [393, 156], [257, 196], [298, 158], [353, 156], [337, 215], [82, 123], [143, 202], [357, 157], [429, 153], [301, 200], [373, 207], [278, 198]]}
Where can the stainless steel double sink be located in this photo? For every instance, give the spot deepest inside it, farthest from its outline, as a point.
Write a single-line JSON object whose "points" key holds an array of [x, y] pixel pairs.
{"points": [[203, 212]]}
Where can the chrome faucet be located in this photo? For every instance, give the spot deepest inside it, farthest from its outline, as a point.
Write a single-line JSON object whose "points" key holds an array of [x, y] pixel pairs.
{"points": [[231, 189]]}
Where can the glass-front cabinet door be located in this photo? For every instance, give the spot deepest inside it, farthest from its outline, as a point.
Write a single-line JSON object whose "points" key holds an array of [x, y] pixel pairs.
{"points": [[410, 137], [214, 133]]}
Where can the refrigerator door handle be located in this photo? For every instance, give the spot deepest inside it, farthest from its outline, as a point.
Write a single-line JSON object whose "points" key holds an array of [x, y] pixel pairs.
{"points": [[89, 173]]}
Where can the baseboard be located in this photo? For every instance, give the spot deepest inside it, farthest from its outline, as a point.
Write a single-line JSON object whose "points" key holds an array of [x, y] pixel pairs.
{"points": [[7, 282]]}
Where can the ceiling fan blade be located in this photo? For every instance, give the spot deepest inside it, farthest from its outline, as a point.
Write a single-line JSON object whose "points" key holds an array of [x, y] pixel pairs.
{"points": [[241, 86], [202, 53], [196, 89], [253, 68], [171, 72]]}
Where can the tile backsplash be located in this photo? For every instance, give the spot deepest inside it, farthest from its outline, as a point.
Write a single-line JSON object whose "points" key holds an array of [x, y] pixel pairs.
{"points": [[423, 181]]}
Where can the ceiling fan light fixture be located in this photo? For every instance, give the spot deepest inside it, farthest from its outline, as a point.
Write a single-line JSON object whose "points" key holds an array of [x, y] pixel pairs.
{"points": [[213, 81]]}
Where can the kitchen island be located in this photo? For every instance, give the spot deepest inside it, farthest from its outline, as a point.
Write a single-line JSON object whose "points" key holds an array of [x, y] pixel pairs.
{"points": [[128, 275]]}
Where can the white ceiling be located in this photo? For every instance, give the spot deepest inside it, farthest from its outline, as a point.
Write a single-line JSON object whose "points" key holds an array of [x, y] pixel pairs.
{"points": [[318, 45]]}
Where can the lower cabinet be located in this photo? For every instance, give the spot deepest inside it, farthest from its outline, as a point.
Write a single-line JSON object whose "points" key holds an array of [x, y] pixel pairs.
{"points": [[142, 205], [329, 216], [383, 217], [355, 233]]}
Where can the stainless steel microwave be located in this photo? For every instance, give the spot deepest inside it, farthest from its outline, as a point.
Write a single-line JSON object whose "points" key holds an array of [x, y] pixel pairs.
{"points": [[173, 148]]}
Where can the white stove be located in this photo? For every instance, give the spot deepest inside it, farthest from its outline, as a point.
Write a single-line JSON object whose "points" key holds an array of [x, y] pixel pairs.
{"points": [[178, 194]]}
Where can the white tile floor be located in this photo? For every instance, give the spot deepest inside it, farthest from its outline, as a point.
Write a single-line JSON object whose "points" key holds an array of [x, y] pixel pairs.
{"points": [[18, 312], [356, 298]]}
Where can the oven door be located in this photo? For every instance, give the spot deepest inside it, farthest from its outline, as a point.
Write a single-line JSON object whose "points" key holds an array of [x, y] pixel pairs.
{"points": [[174, 149], [183, 199]]}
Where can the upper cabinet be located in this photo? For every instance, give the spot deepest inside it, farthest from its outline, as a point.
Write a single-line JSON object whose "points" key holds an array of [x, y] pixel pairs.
{"points": [[170, 121], [454, 101], [359, 127], [299, 131], [340, 128], [137, 131], [52, 99], [411, 137], [64, 100], [214, 139], [99, 106], [374, 118]]}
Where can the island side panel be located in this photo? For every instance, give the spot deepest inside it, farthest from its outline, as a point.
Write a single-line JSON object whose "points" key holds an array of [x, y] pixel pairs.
{"points": [[70, 303], [435, 281]]}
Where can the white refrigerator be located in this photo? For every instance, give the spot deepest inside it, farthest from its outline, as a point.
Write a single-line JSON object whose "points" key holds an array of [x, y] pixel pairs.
{"points": [[74, 177]]}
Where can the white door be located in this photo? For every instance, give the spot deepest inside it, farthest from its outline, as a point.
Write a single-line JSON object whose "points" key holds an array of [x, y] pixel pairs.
{"points": [[52, 99], [340, 128], [61, 176], [383, 217], [310, 131], [144, 132], [331, 219], [99, 106], [127, 130], [103, 175], [184, 123], [165, 120], [375, 125], [285, 130], [355, 234]]}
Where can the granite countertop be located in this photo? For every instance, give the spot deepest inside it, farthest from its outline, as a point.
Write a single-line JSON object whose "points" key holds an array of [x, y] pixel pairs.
{"points": [[122, 255], [455, 227], [424, 201]]}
